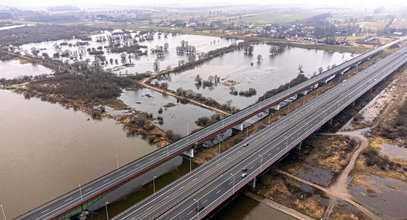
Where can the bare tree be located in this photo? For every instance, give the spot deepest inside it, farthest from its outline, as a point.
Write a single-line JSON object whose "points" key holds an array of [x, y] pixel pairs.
{"points": [[259, 58], [166, 45], [300, 68], [156, 65], [320, 69]]}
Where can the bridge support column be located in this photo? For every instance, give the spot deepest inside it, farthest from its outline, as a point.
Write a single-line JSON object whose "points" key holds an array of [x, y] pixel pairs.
{"points": [[190, 153], [252, 183], [299, 146]]}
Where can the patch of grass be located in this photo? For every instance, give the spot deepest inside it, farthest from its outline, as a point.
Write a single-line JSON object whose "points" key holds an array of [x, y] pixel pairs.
{"points": [[282, 17]]}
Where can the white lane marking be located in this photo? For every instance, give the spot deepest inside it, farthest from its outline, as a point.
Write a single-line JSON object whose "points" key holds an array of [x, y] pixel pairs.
{"points": [[46, 210], [68, 199]]}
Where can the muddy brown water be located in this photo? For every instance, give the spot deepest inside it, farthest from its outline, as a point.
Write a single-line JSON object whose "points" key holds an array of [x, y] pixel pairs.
{"points": [[46, 151]]}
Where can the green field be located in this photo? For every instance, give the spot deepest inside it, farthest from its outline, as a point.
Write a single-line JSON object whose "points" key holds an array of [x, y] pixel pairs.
{"points": [[279, 17]]}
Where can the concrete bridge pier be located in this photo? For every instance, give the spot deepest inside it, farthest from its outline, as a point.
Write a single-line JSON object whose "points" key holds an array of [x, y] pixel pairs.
{"points": [[190, 153], [253, 183], [276, 107], [299, 146]]}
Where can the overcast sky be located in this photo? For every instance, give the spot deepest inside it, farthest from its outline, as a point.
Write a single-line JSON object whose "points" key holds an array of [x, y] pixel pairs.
{"points": [[35, 4]]}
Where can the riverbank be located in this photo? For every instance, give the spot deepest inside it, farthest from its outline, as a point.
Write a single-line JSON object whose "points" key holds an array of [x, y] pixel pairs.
{"points": [[89, 92]]}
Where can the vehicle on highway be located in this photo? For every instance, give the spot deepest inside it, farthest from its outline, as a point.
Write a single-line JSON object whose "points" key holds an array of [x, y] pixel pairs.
{"points": [[244, 170], [243, 175], [199, 208], [245, 145]]}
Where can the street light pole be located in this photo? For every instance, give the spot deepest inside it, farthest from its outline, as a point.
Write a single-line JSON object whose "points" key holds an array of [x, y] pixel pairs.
{"points": [[187, 129], [233, 179], [197, 206], [107, 213], [117, 161], [80, 191], [4, 214]]}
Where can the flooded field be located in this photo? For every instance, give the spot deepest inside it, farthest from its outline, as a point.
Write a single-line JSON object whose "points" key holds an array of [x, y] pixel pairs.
{"points": [[79, 50], [178, 117], [235, 69], [47, 151], [14, 68], [386, 196], [394, 151]]}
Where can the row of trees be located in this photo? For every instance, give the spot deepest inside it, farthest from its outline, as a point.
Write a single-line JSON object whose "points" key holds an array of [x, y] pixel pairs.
{"points": [[205, 100], [205, 121], [247, 93], [211, 82], [299, 79]]}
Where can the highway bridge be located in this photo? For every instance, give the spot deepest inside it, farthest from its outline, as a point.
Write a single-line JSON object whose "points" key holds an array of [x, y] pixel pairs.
{"points": [[80, 199], [198, 193]]}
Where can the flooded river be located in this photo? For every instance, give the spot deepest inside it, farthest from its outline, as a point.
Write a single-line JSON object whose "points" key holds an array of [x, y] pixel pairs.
{"points": [[236, 69], [14, 68], [140, 64], [178, 117], [46, 151]]}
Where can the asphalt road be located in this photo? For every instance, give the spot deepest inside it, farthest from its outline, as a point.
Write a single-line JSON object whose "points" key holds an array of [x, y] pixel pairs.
{"points": [[75, 198], [198, 193]]}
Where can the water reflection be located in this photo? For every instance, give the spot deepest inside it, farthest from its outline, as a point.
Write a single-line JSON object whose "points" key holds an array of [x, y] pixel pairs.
{"points": [[243, 71], [14, 68], [177, 117], [139, 64]]}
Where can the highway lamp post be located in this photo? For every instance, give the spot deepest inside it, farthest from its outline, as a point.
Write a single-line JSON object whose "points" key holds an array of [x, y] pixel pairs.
{"points": [[187, 129], [233, 180], [117, 161], [107, 213], [154, 184], [80, 191], [4, 214], [197, 206]]}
